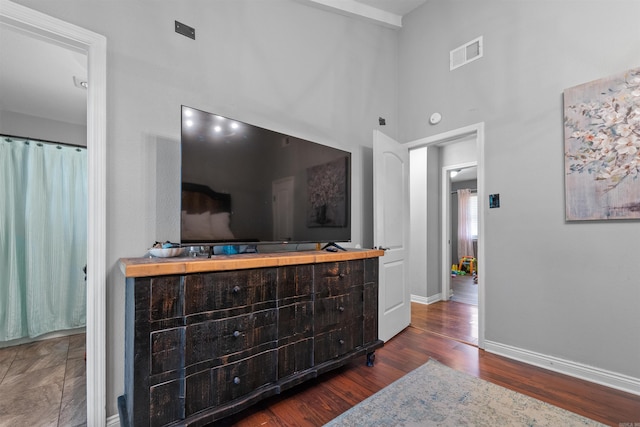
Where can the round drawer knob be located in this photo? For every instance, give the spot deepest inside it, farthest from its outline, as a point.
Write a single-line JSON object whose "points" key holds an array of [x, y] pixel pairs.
{"points": [[341, 309], [236, 380], [341, 342], [236, 334], [236, 289], [342, 275]]}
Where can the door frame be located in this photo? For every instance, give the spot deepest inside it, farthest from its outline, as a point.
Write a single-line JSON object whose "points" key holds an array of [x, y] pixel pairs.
{"points": [[95, 47], [476, 130]]}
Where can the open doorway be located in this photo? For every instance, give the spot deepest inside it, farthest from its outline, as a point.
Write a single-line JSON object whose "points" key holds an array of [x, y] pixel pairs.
{"points": [[43, 137], [463, 222], [433, 159], [41, 26]]}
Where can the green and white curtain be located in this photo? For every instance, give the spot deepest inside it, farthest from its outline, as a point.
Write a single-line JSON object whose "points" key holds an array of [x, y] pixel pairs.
{"points": [[43, 237]]}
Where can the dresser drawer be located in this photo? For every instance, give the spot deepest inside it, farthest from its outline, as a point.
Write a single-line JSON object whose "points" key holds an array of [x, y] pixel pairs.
{"points": [[337, 342], [294, 282], [166, 403], [238, 379], [214, 387], [166, 351], [331, 312], [211, 340], [334, 278], [295, 357], [243, 333], [165, 300], [228, 289]]}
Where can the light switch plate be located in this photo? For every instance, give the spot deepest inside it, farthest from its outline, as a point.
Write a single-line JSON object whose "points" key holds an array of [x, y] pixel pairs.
{"points": [[494, 200]]}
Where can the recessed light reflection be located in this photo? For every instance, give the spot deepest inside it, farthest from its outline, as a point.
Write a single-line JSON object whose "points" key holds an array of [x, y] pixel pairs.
{"points": [[189, 123], [234, 125], [217, 128], [188, 113]]}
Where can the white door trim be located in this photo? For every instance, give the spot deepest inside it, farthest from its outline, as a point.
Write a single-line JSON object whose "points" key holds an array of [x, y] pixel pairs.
{"points": [[95, 46], [476, 130]]}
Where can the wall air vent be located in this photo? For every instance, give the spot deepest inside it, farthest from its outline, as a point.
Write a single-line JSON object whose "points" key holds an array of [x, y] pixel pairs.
{"points": [[466, 53]]}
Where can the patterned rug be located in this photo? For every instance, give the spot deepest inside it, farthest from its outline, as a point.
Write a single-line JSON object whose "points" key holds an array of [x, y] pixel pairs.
{"points": [[436, 395]]}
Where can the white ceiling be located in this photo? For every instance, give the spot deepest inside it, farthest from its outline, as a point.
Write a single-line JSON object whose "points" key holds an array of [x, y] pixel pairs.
{"points": [[387, 13], [36, 77], [397, 7], [466, 174]]}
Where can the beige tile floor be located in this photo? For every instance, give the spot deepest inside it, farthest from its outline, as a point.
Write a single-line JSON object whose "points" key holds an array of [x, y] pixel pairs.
{"points": [[43, 383]]}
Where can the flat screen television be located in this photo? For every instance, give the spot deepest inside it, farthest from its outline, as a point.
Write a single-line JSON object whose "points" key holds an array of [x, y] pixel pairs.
{"points": [[242, 184]]}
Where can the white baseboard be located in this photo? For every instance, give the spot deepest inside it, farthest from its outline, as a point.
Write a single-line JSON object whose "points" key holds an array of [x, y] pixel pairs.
{"points": [[426, 300], [113, 421], [574, 369], [47, 336]]}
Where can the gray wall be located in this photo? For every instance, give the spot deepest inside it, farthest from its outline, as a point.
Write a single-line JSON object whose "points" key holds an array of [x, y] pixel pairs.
{"points": [[425, 254], [278, 64], [419, 235], [18, 124], [560, 289], [325, 77]]}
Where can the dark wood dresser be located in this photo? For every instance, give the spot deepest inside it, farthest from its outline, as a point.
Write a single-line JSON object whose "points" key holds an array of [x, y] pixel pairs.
{"points": [[206, 338]]}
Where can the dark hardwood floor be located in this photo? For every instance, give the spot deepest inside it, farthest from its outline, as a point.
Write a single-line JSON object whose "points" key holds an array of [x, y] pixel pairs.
{"points": [[464, 289], [450, 319], [326, 397]]}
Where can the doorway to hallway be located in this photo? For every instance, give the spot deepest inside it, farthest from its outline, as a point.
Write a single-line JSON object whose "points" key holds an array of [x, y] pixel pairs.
{"points": [[449, 319], [464, 290], [431, 245], [463, 231]]}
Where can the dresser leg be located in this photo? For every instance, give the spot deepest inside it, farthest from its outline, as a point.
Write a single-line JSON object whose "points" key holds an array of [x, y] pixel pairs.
{"points": [[371, 357]]}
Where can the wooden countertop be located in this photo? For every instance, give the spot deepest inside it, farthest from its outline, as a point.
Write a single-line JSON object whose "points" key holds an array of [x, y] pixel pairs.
{"points": [[146, 267]]}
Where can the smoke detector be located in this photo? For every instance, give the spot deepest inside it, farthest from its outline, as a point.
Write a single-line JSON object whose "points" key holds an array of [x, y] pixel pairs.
{"points": [[80, 83]]}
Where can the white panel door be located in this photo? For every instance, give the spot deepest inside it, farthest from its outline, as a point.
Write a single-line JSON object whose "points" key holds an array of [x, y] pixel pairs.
{"points": [[391, 232]]}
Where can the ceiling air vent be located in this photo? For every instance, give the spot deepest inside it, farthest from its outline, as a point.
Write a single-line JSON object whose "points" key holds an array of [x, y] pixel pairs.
{"points": [[466, 53]]}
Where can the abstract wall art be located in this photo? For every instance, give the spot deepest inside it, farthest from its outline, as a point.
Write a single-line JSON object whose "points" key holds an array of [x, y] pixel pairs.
{"points": [[602, 148]]}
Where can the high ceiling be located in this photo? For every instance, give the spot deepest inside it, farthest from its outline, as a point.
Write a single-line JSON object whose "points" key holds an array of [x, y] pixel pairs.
{"points": [[397, 7], [36, 75], [387, 13]]}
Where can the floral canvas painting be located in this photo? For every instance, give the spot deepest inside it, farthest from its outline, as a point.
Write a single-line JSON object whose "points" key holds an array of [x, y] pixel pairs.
{"points": [[327, 194], [602, 148]]}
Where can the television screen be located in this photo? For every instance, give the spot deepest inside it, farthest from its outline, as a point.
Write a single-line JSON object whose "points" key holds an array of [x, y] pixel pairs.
{"points": [[245, 184]]}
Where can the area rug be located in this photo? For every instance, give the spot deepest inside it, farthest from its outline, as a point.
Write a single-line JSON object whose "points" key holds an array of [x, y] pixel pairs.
{"points": [[436, 395]]}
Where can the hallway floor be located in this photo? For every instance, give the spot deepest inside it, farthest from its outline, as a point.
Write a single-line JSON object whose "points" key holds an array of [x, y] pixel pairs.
{"points": [[43, 383], [464, 290], [449, 319]]}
